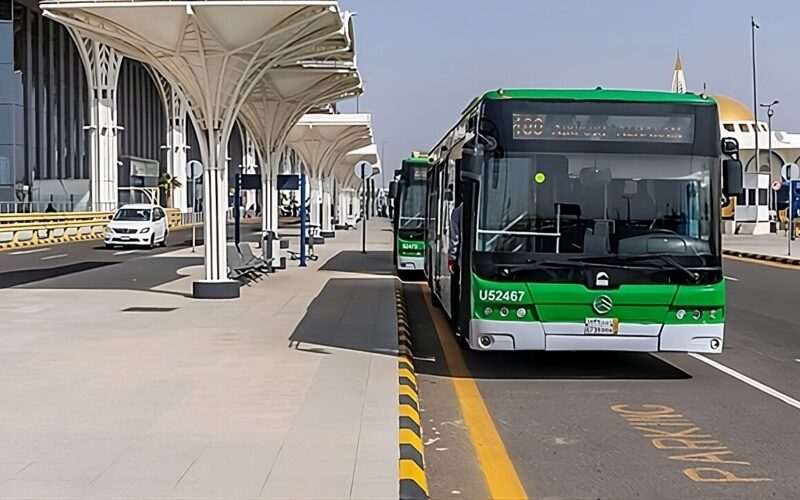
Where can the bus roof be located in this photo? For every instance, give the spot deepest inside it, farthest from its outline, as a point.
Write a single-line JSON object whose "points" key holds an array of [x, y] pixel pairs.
{"points": [[421, 159], [610, 95]]}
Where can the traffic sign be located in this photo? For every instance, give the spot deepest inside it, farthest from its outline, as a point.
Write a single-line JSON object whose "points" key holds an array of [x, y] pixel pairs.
{"points": [[194, 169], [776, 186], [363, 169], [790, 171]]}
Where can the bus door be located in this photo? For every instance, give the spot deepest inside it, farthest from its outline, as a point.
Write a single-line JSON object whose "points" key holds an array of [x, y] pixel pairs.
{"points": [[447, 204]]}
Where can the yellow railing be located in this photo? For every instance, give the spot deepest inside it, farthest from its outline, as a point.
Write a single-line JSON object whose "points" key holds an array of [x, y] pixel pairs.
{"points": [[783, 220], [20, 230]]}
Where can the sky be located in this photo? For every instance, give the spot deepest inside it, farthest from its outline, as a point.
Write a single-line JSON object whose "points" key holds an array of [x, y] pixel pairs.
{"points": [[422, 61]]}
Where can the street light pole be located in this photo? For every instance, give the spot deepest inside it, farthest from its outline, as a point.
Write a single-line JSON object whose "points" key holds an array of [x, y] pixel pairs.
{"points": [[753, 28], [770, 112]]}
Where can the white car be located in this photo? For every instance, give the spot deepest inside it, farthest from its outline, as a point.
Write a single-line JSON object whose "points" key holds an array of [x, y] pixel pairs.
{"points": [[141, 225]]}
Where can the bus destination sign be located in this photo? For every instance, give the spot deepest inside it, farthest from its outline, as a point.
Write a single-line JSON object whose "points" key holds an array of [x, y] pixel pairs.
{"points": [[605, 128]]}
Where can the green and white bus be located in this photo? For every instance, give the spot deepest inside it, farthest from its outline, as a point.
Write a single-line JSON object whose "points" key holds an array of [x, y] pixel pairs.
{"points": [[589, 220], [408, 193]]}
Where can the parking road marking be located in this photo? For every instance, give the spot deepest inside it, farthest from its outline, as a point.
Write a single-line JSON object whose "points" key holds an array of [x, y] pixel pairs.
{"points": [[498, 471], [125, 252], [25, 252], [50, 257], [747, 380]]}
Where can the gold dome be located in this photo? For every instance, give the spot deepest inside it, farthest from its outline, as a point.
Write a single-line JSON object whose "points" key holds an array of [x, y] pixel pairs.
{"points": [[731, 110]]}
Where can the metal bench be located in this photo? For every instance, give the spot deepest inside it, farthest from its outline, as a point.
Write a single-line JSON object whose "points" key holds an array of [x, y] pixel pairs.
{"points": [[237, 267]]}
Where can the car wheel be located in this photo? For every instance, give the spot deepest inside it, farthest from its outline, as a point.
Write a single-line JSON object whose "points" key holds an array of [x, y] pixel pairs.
{"points": [[153, 241], [164, 239]]}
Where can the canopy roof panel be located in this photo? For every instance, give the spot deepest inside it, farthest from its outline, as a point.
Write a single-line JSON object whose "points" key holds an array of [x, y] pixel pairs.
{"points": [[214, 51], [322, 140]]}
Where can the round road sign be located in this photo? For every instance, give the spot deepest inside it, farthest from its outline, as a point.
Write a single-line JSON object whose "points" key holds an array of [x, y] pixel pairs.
{"points": [[194, 169], [790, 171], [363, 169]]}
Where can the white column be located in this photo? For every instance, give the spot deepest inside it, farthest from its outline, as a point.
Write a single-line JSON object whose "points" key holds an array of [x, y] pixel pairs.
{"points": [[176, 141], [102, 64], [327, 200], [215, 198], [314, 200], [175, 109]]}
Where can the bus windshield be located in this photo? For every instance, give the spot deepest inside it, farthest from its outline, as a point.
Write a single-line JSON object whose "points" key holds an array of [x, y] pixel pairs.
{"points": [[412, 207], [597, 204]]}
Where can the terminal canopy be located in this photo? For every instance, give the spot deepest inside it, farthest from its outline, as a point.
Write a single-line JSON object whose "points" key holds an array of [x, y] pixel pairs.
{"points": [[215, 52], [345, 167], [323, 140]]}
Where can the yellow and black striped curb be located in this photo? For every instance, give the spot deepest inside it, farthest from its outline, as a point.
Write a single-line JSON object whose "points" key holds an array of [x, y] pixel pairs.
{"points": [[413, 484], [767, 258]]}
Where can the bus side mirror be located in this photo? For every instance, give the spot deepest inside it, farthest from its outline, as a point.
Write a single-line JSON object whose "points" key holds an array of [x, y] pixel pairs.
{"points": [[732, 181], [730, 147], [393, 190], [472, 160]]}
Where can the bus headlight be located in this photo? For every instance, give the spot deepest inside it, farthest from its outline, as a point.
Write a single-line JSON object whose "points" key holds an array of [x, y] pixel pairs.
{"points": [[521, 312], [712, 314], [488, 311], [504, 311], [697, 314], [680, 314]]}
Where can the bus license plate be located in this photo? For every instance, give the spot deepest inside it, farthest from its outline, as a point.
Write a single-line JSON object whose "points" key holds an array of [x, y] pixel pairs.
{"points": [[601, 326]]}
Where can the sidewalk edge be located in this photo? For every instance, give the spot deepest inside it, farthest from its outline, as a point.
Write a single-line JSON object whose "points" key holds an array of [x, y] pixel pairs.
{"points": [[413, 483], [758, 256]]}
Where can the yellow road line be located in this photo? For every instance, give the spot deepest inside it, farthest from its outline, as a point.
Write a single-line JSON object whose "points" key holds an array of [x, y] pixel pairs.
{"points": [[763, 262], [498, 471]]}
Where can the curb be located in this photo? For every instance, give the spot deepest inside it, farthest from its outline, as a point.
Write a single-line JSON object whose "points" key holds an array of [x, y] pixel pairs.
{"points": [[767, 258], [413, 484]]}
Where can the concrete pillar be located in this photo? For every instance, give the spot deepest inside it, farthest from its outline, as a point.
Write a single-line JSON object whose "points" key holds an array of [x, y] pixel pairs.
{"points": [[102, 64], [250, 164], [314, 200], [327, 201], [215, 205], [176, 142]]}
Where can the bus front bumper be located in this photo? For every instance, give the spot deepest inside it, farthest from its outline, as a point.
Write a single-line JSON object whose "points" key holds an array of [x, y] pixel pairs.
{"points": [[410, 263], [489, 335]]}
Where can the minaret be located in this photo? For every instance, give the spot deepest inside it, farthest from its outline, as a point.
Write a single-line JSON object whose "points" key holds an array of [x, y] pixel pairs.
{"points": [[678, 78]]}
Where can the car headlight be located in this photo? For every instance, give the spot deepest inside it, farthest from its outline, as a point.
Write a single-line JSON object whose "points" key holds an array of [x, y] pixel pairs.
{"points": [[109, 230], [145, 230]]}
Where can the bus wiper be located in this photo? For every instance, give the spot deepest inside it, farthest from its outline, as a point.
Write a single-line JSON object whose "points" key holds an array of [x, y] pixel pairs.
{"points": [[693, 276], [509, 269]]}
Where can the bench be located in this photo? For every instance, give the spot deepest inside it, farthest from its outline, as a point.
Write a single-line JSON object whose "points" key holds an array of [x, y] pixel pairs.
{"points": [[250, 259], [237, 267]]}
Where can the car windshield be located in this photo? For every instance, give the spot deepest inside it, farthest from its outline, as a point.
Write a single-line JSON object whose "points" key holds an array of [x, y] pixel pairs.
{"points": [[597, 204], [133, 214], [411, 216]]}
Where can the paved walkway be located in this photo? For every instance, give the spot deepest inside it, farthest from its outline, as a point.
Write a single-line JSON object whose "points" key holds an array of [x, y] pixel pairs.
{"points": [[141, 392], [773, 245]]}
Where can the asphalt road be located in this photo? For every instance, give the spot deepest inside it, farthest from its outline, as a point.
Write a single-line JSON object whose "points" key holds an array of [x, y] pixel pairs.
{"points": [[28, 266], [619, 425]]}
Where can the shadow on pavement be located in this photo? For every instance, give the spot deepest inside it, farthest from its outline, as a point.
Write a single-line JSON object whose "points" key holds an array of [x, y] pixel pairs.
{"points": [[350, 313], [531, 365], [24, 276], [140, 274], [353, 261]]}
